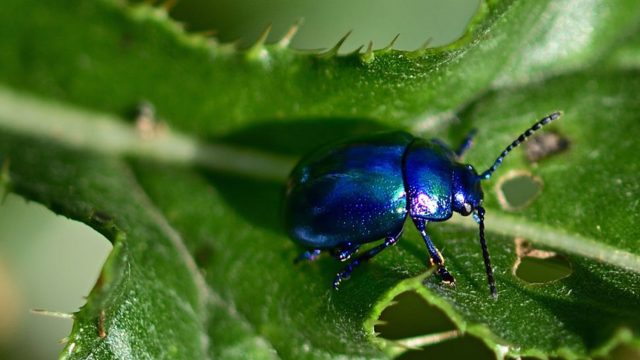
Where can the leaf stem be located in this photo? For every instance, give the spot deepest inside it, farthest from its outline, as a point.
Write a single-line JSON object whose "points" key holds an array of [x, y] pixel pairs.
{"points": [[503, 224], [102, 133]]}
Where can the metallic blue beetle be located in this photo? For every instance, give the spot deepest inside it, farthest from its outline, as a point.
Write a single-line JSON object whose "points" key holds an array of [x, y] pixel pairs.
{"points": [[362, 190]]}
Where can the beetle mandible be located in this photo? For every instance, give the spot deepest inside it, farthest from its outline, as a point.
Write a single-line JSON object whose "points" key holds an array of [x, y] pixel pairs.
{"points": [[362, 190]]}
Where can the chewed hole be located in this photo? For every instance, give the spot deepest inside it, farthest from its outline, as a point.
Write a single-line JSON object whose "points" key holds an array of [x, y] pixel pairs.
{"points": [[411, 316], [413, 322], [545, 145], [537, 271], [517, 189], [466, 347], [536, 266]]}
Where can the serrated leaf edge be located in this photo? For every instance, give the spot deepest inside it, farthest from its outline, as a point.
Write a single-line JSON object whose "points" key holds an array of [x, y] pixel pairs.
{"points": [[261, 49]]}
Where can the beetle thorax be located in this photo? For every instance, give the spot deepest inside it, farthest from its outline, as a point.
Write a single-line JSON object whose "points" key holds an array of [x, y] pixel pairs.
{"points": [[467, 192]]}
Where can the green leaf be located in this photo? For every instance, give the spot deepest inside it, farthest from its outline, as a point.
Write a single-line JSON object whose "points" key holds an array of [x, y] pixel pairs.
{"points": [[199, 86], [586, 211], [201, 266], [627, 55]]}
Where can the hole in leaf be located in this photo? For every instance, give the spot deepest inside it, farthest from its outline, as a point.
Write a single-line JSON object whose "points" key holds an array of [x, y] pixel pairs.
{"points": [[466, 347], [623, 352], [536, 266], [536, 271], [517, 189], [411, 316], [545, 145]]}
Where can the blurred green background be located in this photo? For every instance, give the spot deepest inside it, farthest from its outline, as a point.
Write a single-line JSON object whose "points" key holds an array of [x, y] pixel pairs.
{"points": [[324, 22], [46, 262], [50, 262]]}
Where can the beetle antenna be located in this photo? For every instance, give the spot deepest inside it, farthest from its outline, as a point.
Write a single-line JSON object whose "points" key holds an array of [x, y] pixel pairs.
{"points": [[479, 216], [522, 138]]}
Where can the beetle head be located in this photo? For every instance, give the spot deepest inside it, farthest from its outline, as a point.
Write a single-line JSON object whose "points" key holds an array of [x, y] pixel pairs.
{"points": [[467, 192]]}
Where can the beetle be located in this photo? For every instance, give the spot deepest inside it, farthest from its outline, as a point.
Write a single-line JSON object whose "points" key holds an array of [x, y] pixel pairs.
{"points": [[362, 190]]}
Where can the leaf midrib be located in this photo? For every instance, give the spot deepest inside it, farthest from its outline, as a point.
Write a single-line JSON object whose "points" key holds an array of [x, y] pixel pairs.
{"points": [[110, 135]]}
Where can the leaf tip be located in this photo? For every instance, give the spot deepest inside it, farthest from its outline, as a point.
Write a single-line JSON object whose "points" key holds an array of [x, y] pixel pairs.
{"points": [[55, 314], [368, 55], [357, 51], [263, 36], [334, 50], [422, 49], [258, 50], [288, 36], [391, 44]]}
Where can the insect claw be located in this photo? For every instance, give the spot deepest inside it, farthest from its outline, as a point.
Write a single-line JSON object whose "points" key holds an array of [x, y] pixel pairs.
{"points": [[446, 277], [336, 282]]}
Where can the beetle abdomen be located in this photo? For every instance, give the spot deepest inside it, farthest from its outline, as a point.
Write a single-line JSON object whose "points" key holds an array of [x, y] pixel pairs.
{"points": [[353, 192]]}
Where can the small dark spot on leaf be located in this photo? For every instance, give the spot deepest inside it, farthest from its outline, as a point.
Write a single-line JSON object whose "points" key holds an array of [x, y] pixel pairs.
{"points": [[203, 255], [545, 145], [537, 266], [101, 217], [126, 41], [517, 189]]}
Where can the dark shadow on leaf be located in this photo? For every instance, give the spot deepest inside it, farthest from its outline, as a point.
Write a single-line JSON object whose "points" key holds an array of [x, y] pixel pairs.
{"points": [[299, 137], [260, 201], [595, 308]]}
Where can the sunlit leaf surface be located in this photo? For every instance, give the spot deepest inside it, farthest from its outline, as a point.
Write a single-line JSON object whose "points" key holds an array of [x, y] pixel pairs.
{"points": [[201, 265]]}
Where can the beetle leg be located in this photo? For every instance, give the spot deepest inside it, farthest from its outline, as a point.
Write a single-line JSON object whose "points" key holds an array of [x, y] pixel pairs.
{"points": [[344, 274], [345, 252], [309, 255], [466, 143], [436, 257]]}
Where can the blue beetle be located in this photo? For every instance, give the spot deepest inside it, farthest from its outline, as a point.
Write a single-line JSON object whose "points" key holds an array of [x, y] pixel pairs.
{"points": [[362, 190]]}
